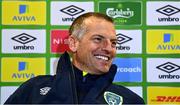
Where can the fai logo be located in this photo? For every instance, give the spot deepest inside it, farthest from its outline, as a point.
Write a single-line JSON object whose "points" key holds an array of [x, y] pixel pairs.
{"points": [[122, 38], [72, 10], [168, 10], [23, 38], [168, 67], [112, 98]]}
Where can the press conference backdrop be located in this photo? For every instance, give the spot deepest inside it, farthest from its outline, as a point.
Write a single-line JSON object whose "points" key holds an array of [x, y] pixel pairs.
{"points": [[34, 35]]}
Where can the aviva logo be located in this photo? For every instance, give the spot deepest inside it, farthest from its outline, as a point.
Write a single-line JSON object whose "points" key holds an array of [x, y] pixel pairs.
{"points": [[163, 41], [22, 66], [21, 69], [23, 9], [168, 38], [23, 13]]}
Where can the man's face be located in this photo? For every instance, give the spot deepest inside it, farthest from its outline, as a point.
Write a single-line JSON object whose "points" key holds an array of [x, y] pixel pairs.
{"points": [[97, 48]]}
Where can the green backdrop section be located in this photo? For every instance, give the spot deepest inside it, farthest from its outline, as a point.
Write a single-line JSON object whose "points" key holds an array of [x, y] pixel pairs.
{"points": [[141, 24]]}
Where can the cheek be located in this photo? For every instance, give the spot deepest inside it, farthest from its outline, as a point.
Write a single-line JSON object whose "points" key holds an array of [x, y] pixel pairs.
{"points": [[114, 53], [89, 47]]}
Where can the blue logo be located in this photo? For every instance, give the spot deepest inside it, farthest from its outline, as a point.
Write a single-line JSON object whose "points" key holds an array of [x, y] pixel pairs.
{"points": [[129, 70], [22, 66], [23, 9], [167, 38]]}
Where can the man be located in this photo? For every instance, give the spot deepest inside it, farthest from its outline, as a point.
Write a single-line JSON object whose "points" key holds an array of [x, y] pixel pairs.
{"points": [[88, 79]]}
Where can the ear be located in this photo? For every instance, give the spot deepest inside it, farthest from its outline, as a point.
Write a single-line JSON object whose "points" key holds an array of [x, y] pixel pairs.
{"points": [[73, 43]]}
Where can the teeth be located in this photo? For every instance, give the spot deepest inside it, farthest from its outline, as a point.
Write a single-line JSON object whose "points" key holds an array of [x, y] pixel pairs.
{"points": [[102, 57]]}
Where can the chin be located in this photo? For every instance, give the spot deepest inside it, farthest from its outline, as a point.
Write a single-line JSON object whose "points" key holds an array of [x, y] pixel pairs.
{"points": [[104, 70]]}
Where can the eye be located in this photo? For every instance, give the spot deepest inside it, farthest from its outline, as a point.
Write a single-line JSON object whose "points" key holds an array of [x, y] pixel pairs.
{"points": [[114, 44], [97, 39]]}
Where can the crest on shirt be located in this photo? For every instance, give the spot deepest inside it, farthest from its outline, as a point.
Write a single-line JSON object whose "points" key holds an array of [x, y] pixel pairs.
{"points": [[112, 98]]}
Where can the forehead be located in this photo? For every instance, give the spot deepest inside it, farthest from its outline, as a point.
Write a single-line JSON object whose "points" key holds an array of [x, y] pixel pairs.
{"points": [[96, 26], [93, 19]]}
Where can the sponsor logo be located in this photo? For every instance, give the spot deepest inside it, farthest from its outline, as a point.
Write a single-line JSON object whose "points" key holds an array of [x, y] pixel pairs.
{"points": [[163, 95], [112, 98], [168, 37], [72, 11], [163, 70], [129, 69], [115, 13], [59, 41], [21, 69], [168, 10], [126, 40], [167, 99], [64, 12], [45, 90], [169, 67], [23, 39], [121, 39], [22, 66], [23, 12], [123, 13], [135, 69], [163, 41], [23, 9]]}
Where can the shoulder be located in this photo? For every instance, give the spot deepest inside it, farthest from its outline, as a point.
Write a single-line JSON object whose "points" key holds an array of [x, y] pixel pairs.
{"points": [[37, 81], [129, 97], [26, 90]]}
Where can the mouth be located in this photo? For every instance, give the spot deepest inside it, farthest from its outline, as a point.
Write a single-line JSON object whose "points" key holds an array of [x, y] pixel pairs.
{"points": [[103, 57]]}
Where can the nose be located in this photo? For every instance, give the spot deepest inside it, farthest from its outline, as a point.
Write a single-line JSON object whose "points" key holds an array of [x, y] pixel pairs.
{"points": [[107, 46]]}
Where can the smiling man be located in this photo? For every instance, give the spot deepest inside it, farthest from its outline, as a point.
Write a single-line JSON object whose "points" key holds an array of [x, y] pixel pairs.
{"points": [[93, 44], [88, 78]]}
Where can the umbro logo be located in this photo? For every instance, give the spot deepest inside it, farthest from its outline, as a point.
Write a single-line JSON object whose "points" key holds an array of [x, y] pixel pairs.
{"points": [[45, 90], [168, 67], [23, 38], [72, 10], [122, 38], [168, 10]]}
